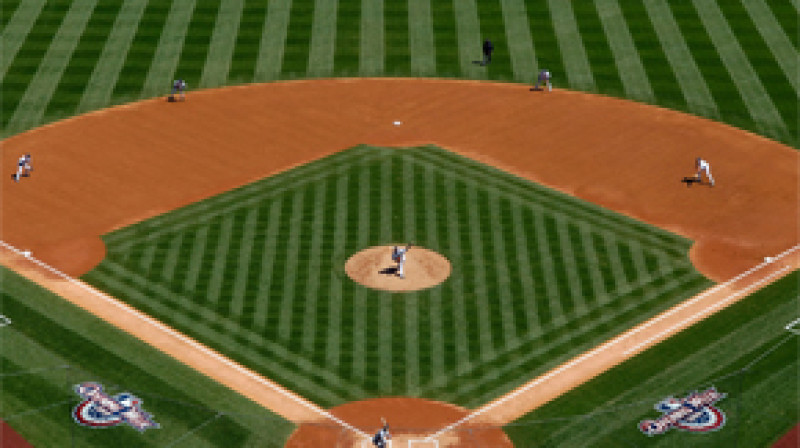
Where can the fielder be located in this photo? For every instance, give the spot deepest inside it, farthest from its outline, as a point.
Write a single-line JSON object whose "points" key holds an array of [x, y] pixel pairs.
{"points": [[399, 257], [179, 87], [703, 166], [24, 167], [544, 78], [382, 437]]}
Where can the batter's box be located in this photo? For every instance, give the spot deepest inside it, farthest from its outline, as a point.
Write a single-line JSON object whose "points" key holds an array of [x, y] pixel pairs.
{"points": [[794, 327], [4, 321]]}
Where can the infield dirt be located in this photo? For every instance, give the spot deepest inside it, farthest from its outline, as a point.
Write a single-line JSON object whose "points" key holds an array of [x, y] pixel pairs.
{"points": [[108, 169]]}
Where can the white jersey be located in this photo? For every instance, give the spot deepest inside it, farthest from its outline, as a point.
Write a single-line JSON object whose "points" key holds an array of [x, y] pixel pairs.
{"points": [[703, 165]]}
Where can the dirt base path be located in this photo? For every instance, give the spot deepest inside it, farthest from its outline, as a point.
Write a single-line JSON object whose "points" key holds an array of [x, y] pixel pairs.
{"points": [[108, 169]]}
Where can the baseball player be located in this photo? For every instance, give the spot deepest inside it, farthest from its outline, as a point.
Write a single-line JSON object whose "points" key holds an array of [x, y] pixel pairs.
{"points": [[382, 437], [488, 48], [399, 257], [703, 166], [179, 87], [543, 78], [24, 167]]}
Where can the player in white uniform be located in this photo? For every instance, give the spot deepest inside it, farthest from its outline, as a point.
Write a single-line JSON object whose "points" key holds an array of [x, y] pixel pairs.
{"points": [[382, 437], [399, 256], [24, 167], [703, 166]]}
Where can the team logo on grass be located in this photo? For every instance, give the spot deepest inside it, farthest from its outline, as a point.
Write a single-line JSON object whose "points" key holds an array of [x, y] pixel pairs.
{"points": [[100, 410], [695, 413]]}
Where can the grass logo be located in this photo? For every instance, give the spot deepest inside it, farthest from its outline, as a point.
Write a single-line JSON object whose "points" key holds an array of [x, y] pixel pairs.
{"points": [[99, 410], [694, 413]]}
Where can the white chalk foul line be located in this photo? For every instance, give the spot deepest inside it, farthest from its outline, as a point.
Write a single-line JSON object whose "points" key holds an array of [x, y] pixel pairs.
{"points": [[791, 326], [601, 348], [187, 340]]}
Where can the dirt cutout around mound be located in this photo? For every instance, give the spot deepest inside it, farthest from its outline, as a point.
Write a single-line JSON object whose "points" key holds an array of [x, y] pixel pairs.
{"points": [[108, 169], [374, 268], [409, 419]]}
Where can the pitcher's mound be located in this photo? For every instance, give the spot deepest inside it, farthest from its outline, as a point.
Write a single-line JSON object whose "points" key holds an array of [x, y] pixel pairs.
{"points": [[373, 267]]}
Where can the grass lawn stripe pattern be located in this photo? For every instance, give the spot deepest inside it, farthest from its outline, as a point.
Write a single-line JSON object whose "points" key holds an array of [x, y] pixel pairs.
{"points": [[357, 342], [52, 345], [761, 400], [730, 61]]}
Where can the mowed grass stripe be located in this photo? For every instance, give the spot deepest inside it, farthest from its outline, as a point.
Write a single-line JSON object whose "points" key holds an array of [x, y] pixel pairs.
{"points": [[576, 61], [39, 91], [780, 45], [478, 292], [456, 281], [526, 277], [520, 42], [100, 86], [291, 262], [273, 41], [143, 49], [323, 39], [422, 47], [372, 45], [333, 356], [146, 261], [243, 264], [548, 271], [16, 32], [437, 331], [313, 265], [196, 258], [161, 71], [468, 32], [570, 263], [604, 67], [223, 41], [626, 57], [196, 43], [600, 294], [360, 307], [171, 257], [411, 366], [505, 297], [750, 88], [220, 258], [248, 37], [398, 56], [265, 278], [690, 79]]}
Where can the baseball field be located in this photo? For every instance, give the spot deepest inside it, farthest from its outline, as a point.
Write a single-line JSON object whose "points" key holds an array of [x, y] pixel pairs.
{"points": [[193, 253]]}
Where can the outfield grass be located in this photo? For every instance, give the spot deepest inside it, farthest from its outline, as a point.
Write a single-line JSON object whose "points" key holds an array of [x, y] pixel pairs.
{"points": [[258, 274], [743, 351], [50, 346], [734, 61]]}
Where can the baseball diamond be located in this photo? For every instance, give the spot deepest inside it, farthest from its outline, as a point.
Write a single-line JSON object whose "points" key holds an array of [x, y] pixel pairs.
{"points": [[558, 284]]}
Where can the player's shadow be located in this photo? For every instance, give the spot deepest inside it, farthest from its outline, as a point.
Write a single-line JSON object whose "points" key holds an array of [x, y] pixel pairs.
{"points": [[388, 271]]}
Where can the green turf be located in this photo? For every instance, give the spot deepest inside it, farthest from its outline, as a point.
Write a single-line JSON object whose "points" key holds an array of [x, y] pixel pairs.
{"points": [[50, 346], [743, 351], [258, 273]]}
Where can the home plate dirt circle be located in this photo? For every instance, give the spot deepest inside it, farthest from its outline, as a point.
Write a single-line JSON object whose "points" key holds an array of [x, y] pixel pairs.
{"points": [[409, 419], [373, 267]]}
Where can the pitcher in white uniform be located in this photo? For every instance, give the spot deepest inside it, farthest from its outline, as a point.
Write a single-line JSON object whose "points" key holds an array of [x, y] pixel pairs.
{"points": [[703, 166], [399, 257]]}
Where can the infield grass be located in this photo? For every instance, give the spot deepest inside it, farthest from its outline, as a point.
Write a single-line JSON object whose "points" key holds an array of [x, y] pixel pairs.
{"points": [[258, 274]]}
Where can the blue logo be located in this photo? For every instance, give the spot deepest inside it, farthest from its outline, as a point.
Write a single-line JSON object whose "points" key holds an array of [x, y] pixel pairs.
{"points": [[100, 410], [694, 413]]}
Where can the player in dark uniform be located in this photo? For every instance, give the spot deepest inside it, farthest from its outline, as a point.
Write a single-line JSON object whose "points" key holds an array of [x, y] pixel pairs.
{"points": [[488, 48], [179, 87], [382, 437]]}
